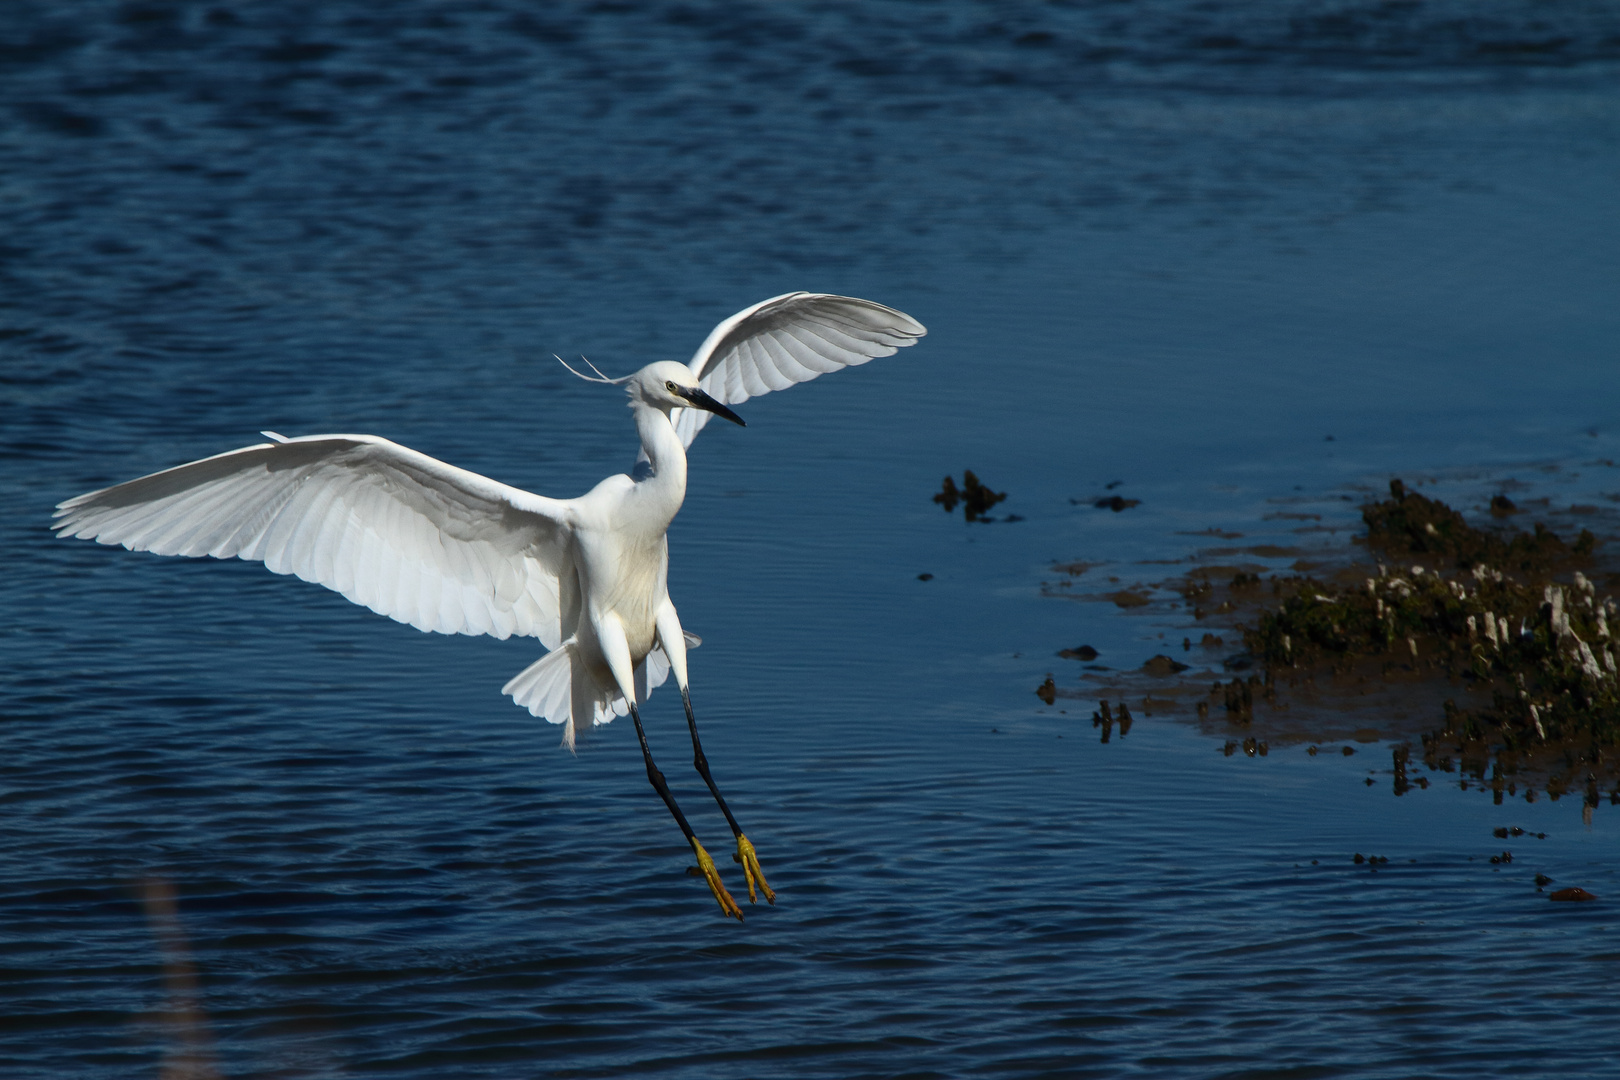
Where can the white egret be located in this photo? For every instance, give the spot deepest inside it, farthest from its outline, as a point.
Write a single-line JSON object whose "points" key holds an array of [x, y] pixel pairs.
{"points": [[450, 551]]}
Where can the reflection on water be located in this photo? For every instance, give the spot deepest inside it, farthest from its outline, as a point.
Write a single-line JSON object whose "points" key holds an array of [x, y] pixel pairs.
{"points": [[190, 1054], [1164, 251]]}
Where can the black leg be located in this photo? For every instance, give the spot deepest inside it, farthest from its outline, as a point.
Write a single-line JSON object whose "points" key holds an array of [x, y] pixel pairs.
{"points": [[701, 763], [705, 863], [657, 779], [745, 850]]}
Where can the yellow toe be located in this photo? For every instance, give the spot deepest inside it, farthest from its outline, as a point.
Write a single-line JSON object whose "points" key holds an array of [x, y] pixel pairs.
{"points": [[710, 874], [751, 870]]}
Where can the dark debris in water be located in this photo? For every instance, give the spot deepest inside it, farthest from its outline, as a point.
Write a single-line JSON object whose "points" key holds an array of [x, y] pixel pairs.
{"points": [[1574, 893], [975, 498], [1251, 747]]}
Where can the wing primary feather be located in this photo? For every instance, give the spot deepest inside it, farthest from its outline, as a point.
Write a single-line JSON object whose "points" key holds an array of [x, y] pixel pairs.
{"points": [[281, 534], [325, 515], [263, 517], [323, 501], [398, 602], [753, 383], [811, 361], [349, 539], [847, 349], [218, 510], [372, 564], [776, 365]]}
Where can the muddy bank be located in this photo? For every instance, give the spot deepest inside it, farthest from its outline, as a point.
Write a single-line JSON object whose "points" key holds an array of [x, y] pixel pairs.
{"points": [[1484, 653]]}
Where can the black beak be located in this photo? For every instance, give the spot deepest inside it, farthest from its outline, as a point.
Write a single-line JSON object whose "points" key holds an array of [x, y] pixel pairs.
{"points": [[701, 400]]}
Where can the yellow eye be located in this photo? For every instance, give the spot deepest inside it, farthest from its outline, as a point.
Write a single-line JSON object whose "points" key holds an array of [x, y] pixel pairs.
{"points": [[670, 386]]}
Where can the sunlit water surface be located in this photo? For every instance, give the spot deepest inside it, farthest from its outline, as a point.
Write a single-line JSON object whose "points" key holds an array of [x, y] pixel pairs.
{"points": [[1157, 244]]}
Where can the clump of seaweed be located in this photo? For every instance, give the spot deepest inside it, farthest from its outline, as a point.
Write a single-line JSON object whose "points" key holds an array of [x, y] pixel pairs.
{"points": [[1500, 621], [976, 499], [1409, 524]]}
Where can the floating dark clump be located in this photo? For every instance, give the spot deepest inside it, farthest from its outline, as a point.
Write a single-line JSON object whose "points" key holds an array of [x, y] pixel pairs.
{"points": [[1116, 503], [1084, 652], [1542, 651], [973, 495], [1573, 893]]}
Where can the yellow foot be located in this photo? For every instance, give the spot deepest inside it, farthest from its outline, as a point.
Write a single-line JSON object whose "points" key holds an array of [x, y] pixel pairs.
{"points": [[710, 874], [750, 864]]}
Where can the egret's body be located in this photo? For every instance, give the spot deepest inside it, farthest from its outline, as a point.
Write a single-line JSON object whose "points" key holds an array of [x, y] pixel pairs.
{"points": [[447, 550]]}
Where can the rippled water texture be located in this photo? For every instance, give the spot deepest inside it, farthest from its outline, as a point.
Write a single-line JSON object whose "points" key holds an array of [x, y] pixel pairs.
{"points": [[255, 830]]}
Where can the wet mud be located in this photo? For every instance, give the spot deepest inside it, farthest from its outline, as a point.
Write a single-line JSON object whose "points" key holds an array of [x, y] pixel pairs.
{"points": [[1481, 654]]}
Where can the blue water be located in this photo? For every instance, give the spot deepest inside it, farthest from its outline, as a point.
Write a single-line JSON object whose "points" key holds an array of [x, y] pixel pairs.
{"points": [[1165, 244]]}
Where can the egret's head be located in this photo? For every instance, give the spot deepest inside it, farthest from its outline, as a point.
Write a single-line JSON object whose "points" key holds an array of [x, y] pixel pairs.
{"points": [[667, 385]]}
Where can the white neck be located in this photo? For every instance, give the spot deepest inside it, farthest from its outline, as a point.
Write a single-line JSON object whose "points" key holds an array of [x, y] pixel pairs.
{"points": [[664, 450]]}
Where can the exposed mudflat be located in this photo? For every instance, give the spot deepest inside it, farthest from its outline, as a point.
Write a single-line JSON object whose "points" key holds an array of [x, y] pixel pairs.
{"points": [[1498, 677]]}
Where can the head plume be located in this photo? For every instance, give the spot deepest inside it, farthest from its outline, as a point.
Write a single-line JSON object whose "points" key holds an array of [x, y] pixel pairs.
{"points": [[599, 378]]}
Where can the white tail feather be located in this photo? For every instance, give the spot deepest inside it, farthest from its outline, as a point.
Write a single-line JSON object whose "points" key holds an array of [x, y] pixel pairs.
{"points": [[559, 688], [545, 688]]}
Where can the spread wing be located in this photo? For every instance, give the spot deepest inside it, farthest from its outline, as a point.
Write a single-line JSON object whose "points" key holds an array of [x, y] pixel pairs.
{"points": [[790, 339], [401, 533]]}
